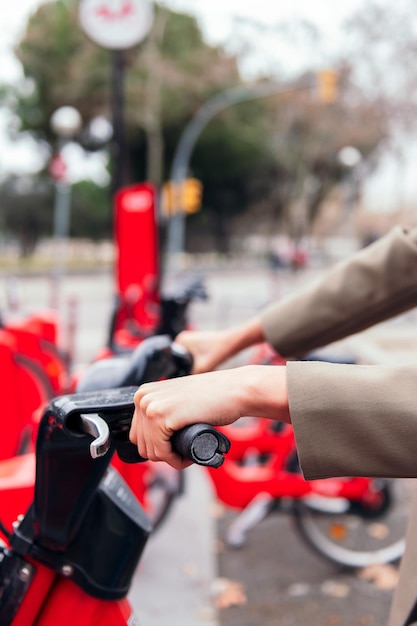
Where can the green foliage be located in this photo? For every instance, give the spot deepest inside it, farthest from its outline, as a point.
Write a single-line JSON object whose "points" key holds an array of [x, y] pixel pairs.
{"points": [[256, 156], [26, 211], [65, 68], [91, 211]]}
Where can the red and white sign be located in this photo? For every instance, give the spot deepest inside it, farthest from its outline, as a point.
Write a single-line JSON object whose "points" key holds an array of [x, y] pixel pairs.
{"points": [[58, 167], [116, 24], [140, 200]]}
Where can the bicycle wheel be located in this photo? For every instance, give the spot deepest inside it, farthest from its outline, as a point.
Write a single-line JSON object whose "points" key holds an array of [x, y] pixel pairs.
{"points": [[356, 537]]}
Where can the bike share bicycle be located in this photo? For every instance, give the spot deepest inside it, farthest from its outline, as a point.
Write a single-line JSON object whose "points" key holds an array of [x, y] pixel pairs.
{"points": [[352, 521], [74, 552]]}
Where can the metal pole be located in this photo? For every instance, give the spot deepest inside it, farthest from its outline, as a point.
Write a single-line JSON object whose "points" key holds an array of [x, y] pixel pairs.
{"points": [[118, 146], [188, 139], [61, 231]]}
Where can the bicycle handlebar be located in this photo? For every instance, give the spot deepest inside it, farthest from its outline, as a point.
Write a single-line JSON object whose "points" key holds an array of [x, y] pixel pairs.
{"points": [[79, 433], [156, 357], [106, 416]]}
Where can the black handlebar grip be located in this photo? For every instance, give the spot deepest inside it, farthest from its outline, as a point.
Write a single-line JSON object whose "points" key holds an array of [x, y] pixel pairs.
{"points": [[201, 444]]}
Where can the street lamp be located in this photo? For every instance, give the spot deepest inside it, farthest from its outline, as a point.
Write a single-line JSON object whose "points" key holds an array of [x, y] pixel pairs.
{"points": [[190, 135], [66, 123], [350, 158]]}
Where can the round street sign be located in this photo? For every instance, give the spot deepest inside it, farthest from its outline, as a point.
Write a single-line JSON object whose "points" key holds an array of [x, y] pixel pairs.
{"points": [[116, 24]]}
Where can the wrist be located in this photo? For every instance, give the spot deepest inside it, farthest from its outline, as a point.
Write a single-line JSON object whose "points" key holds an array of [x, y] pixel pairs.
{"points": [[266, 392], [244, 336]]}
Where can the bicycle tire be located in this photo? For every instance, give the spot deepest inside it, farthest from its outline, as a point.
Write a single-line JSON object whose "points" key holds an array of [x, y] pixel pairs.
{"points": [[356, 540]]}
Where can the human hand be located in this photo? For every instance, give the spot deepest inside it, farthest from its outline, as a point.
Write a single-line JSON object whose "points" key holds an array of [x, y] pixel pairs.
{"points": [[208, 348], [216, 398], [212, 348]]}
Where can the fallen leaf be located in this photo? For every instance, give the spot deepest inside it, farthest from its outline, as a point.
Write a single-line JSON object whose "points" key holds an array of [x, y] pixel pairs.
{"points": [[298, 589], [378, 531], [336, 590], [216, 510], [218, 547], [190, 569], [383, 576], [228, 593]]}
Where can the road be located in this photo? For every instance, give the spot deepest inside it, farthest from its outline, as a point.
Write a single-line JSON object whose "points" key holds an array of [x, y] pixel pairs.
{"points": [[275, 580]]}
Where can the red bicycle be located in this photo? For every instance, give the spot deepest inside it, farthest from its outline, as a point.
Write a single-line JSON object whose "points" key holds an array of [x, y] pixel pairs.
{"points": [[30, 360], [73, 553], [351, 521]]}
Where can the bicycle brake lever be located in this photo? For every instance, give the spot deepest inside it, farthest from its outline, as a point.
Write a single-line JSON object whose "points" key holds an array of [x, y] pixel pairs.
{"points": [[97, 427]]}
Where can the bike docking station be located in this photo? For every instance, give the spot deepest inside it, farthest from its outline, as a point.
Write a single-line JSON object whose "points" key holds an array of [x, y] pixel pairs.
{"points": [[73, 554], [84, 524]]}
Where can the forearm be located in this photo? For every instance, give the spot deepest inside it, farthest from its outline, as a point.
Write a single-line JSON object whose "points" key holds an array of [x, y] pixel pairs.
{"points": [[243, 336], [375, 284], [212, 348]]}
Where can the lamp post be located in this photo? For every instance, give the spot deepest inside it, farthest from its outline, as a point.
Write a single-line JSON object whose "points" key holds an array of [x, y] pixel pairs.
{"points": [[117, 26], [66, 124], [189, 137], [352, 161]]}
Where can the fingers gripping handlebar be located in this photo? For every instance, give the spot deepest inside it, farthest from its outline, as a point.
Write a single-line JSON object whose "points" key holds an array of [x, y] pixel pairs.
{"points": [[156, 357], [77, 438], [199, 443]]}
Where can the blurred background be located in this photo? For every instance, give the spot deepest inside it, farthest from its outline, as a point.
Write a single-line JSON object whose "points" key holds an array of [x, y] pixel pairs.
{"points": [[311, 149], [264, 141]]}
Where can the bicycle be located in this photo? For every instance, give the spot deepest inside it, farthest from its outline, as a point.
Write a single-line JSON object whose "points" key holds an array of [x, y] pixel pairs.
{"points": [[169, 315], [73, 553], [351, 521], [30, 360], [261, 474]]}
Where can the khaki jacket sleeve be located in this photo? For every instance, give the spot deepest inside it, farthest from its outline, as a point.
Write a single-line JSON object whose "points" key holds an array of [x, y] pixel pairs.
{"points": [[354, 420], [375, 284]]}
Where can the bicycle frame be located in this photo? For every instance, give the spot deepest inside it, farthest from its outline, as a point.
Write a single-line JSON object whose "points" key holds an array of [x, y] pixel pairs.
{"points": [[243, 476], [50, 597], [53, 571], [73, 554], [29, 360]]}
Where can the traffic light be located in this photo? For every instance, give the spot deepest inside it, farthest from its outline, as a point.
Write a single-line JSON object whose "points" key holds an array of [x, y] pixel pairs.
{"points": [[327, 86], [166, 200], [185, 197], [192, 192]]}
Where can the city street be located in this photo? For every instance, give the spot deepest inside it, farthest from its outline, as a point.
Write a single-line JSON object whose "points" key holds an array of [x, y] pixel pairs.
{"points": [[188, 576]]}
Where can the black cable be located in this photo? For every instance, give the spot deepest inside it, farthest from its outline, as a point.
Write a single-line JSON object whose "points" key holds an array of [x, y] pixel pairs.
{"points": [[5, 531]]}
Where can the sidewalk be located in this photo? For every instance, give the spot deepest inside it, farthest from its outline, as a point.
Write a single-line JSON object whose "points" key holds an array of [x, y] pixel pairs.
{"points": [[174, 582]]}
